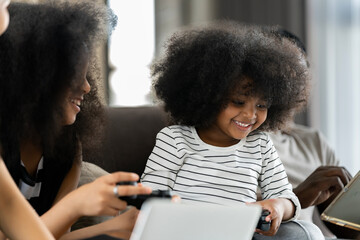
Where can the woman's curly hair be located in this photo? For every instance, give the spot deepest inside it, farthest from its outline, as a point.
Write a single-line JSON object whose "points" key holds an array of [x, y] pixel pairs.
{"points": [[203, 65], [39, 55]]}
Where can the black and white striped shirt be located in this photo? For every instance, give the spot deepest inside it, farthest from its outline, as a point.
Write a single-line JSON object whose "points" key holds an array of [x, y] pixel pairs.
{"points": [[199, 172], [30, 187]]}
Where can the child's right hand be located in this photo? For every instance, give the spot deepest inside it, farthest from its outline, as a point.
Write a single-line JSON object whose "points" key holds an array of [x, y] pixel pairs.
{"points": [[278, 208], [176, 199], [100, 198]]}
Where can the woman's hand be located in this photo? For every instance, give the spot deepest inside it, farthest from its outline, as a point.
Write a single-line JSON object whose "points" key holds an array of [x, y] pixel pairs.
{"points": [[279, 209], [120, 227], [99, 198], [93, 199]]}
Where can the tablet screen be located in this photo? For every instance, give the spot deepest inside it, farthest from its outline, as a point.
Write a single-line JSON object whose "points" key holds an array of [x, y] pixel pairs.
{"points": [[345, 209]]}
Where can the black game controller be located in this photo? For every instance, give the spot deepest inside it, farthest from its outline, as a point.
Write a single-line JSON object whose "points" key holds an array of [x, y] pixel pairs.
{"points": [[138, 200], [263, 224]]}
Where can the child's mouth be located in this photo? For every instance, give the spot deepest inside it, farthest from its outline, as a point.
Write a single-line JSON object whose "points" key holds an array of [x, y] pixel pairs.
{"points": [[243, 126]]}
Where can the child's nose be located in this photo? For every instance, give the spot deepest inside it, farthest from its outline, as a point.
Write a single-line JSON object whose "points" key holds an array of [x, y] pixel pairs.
{"points": [[86, 87], [249, 111]]}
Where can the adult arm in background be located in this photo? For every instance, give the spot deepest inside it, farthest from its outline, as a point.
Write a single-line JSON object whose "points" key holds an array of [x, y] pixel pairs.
{"points": [[320, 188], [18, 220]]}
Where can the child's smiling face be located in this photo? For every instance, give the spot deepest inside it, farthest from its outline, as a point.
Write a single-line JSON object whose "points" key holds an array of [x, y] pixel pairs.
{"points": [[244, 113]]}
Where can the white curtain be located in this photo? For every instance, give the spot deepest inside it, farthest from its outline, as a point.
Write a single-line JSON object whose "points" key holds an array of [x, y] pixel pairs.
{"points": [[334, 49]]}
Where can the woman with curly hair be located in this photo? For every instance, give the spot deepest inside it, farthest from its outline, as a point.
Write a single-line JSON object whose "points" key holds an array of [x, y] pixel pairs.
{"points": [[224, 85], [50, 112], [13, 206]]}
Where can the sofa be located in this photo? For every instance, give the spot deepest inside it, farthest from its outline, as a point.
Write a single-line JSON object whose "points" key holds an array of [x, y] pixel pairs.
{"points": [[129, 138]]}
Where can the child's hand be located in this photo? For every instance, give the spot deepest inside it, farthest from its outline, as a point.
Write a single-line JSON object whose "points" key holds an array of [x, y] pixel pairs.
{"points": [[175, 199], [278, 208]]}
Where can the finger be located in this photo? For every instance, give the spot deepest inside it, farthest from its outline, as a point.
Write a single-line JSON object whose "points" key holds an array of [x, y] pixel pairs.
{"points": [[347, 174], [344, 175], [175, 199], [332, 171], [340, 172], [270, 232], [133, 190], [114, 211], [111, 207], [329, 170], [268, 218], [116, 204], [273, 228], [336, 184], [275, 224], [116, 177]]}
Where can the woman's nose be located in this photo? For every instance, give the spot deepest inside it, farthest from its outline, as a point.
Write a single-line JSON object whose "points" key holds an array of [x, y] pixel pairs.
{"points": [[86, 87]]}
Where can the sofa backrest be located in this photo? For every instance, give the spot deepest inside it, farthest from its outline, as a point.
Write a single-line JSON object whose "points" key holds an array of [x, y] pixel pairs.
{"points": [[129, 138]]}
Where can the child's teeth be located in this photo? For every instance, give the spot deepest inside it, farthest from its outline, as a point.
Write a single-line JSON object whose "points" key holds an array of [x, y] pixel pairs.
{"points": [[242, 124]]}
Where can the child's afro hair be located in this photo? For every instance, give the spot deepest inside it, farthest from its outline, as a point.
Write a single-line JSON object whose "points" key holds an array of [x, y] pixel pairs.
{"points": [[203, 65]]}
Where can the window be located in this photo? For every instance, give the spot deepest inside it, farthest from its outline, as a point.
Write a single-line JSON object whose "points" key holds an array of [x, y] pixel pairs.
{"points": [[334, 41], [131, 49]]}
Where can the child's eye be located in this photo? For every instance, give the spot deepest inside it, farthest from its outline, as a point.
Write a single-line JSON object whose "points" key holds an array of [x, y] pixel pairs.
{"points": [[263, 106], [236, 102]]}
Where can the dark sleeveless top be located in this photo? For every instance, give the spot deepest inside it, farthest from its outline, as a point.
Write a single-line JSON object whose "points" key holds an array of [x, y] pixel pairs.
{"points": [[48, 180]]}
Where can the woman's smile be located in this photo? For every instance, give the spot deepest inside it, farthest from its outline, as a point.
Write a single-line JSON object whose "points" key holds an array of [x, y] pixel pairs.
{"points": [[76, 102]]}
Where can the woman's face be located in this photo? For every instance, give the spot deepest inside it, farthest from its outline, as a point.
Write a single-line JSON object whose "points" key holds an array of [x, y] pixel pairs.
{"points": [[4, 15], [74, 96]]}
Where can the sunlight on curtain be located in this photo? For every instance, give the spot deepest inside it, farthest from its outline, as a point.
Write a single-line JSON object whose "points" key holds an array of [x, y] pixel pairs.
{"points": [[334, 48], [131, 50]]}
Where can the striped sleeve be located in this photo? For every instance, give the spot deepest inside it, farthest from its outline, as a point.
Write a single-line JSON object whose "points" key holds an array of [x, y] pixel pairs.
{"points": [[163, 163], [273, 179]]}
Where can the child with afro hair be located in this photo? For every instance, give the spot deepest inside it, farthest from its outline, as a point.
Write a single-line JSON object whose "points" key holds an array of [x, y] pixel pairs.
{"points": [[50, 111], [224, 85]]}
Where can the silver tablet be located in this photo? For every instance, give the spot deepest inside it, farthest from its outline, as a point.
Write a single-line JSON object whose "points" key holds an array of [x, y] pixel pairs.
{"points": [[163, 220]]}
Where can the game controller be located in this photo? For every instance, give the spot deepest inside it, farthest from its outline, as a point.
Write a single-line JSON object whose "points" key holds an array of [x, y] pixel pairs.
{"points": [[263, 224], [138, 200]]}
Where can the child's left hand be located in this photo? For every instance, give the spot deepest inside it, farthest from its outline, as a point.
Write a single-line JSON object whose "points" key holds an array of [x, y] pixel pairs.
{"points": [[276, 207]]}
